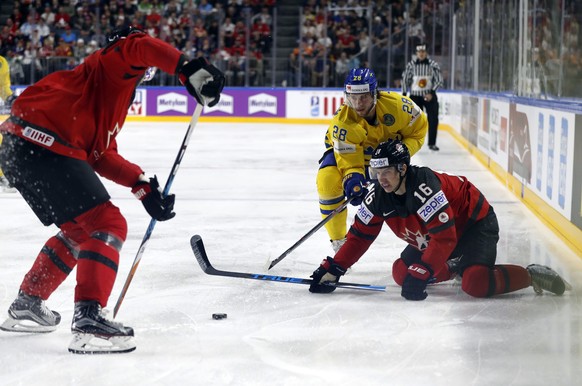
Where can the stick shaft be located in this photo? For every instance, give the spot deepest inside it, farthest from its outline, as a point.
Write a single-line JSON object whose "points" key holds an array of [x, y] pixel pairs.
{"points": [[202, 258], [335, 212], [151, 226]]}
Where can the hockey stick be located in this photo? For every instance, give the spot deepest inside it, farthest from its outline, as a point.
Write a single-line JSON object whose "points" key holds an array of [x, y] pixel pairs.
{"points": [[146, 237], [311, 232], [202, 257]]}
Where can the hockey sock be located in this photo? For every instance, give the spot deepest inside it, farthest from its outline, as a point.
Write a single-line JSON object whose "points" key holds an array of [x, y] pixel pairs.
{"points": [[99, 255], [336, 227], [481, 281], [97, 269], [53, 264]]}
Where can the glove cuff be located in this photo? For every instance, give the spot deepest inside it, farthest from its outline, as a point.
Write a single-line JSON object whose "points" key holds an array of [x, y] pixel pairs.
{"points": [[334, 268], [181, 62], [190, 67], [420, 271], [141, 190], [353, 176]]}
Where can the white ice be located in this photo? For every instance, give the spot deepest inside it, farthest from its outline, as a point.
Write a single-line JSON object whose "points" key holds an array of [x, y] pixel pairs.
{"points": [[249, 191]]}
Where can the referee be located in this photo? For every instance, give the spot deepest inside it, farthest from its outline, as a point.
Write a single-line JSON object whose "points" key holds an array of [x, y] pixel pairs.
{"points": [[421, 78]]}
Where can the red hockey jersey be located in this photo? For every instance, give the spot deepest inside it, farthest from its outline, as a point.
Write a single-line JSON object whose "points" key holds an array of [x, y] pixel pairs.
{"points": [[432, 216], [78, 113]]}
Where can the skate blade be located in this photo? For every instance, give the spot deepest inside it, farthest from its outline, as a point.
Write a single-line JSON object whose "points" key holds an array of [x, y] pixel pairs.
{"points": [[25, 326], [97, 344], [567, 285]]}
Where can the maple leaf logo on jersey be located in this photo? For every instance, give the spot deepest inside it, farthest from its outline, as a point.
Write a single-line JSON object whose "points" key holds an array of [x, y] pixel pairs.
{"points": [[112, 133], [416, 238]]}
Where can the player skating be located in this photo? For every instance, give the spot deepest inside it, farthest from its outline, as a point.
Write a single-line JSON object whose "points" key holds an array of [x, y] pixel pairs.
{"points": [[369, 116], [449, 225], [60, 133]]}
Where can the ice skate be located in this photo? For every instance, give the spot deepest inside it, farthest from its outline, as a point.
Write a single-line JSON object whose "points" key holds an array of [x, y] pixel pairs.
{"points": [[337, 244], [94, 334], [545, 278], [30, 314]]}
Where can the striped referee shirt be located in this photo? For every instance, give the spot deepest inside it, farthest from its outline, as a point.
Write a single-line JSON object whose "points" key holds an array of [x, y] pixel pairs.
{"points": [[421, 77]]}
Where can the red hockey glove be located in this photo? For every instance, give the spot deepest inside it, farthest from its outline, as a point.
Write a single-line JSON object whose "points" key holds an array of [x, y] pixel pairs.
{"points": [[202, 80], [414, 286], [354, 187], [323, 275], [149, 193]]}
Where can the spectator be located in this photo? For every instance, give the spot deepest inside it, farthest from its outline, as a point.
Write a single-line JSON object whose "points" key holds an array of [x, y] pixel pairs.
{"points": [[43, 28], [292, 69], [129, 8], [91, 47], [264, 16], [228, 28], [214, 33], [205, 47], [80, 50], [48, 16], [69, 36], [341, 69], [145, 7], [256, 66], [30, 63], [62, 18], [28, 26], [16, 69], [12, 28], [262, 35], [205, 9], [240, 32], [199, 32], [47, 49], [76, 21], [189, 49], [63, 48], [172, 6]]}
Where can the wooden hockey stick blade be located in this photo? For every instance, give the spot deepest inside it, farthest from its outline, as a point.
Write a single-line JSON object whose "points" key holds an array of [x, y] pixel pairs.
{"points": [[200, 253]]}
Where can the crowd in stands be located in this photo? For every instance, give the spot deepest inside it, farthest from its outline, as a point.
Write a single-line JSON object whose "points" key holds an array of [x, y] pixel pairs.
{"points": [[42, 36], [547, 67], [331, 42], [341, 38]]}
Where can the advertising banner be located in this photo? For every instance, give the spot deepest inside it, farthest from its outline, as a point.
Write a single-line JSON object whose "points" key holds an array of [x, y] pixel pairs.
{"points": [[495, 131], [450, 110], [313, 103], [541, 153], [138, 107], [172, 101]]}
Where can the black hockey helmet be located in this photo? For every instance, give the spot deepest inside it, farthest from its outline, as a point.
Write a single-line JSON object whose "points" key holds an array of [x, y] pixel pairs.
{"points": [[390, 153]]}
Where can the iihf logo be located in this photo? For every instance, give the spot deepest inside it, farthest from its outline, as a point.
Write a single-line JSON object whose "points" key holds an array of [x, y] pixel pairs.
{"points": [[314, 106]]}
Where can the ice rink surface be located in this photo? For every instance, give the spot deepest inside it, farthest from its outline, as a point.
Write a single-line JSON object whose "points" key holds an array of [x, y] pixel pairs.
{"points": [[249, 191]]}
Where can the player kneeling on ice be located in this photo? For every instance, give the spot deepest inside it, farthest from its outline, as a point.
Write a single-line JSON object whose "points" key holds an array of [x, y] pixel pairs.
{"points": [[450, 227], [60, 133]]}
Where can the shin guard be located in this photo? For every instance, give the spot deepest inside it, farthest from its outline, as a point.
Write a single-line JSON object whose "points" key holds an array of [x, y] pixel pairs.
{"points": [[53, 264]]}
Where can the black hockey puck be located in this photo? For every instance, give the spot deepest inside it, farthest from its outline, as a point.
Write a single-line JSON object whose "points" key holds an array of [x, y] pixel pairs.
{"points": [[218, 316]]}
